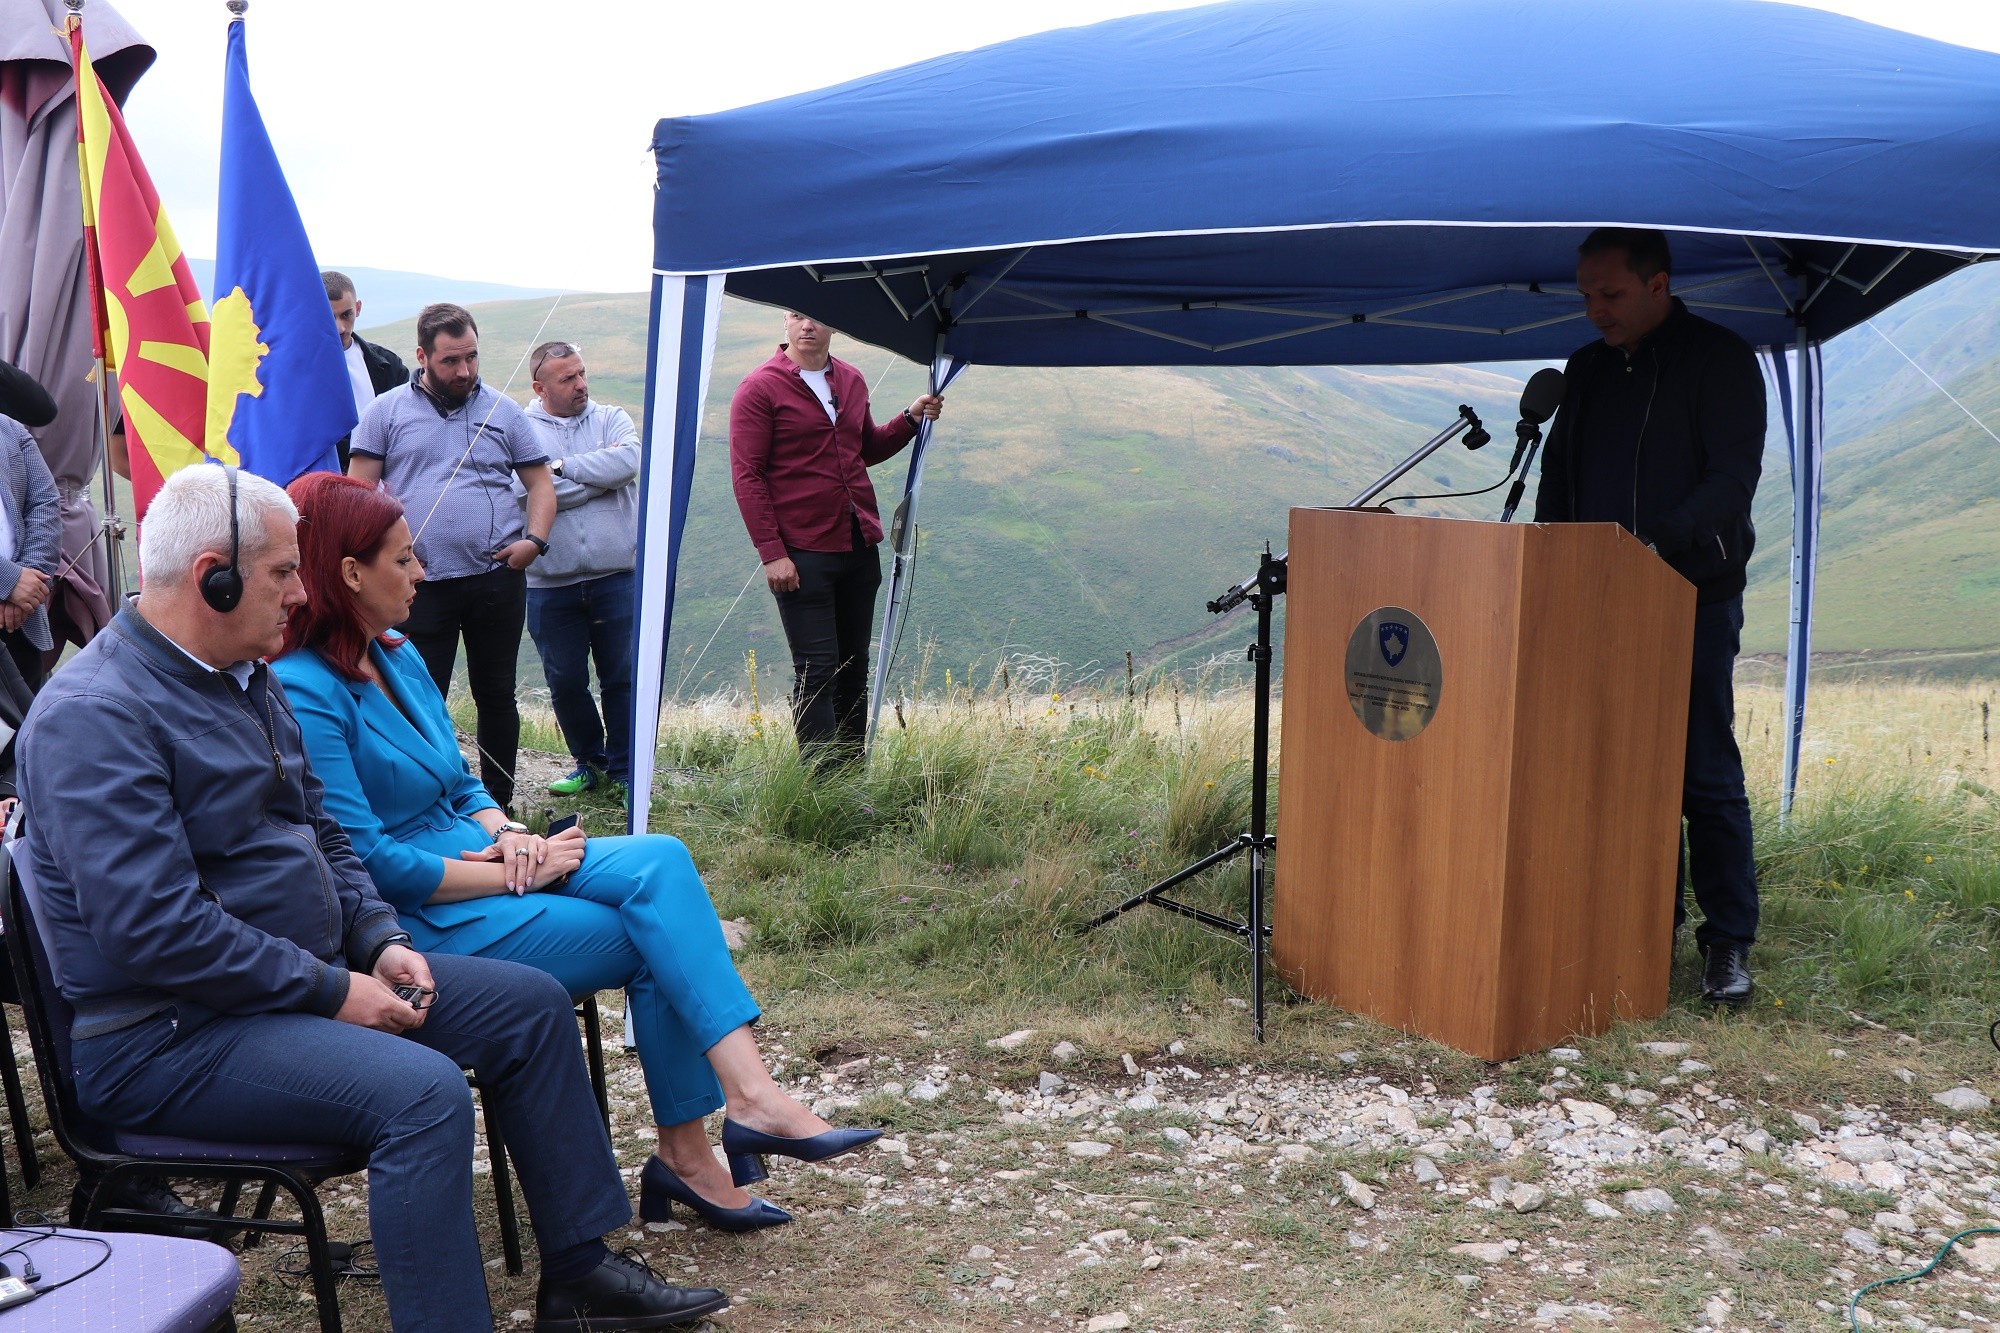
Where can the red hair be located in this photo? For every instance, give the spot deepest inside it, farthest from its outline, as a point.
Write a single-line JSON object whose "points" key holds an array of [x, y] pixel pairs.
{"points": [[338, 517]]}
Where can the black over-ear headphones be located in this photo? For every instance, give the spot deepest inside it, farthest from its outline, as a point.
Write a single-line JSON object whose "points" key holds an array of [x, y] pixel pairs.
{"points": [[222, 587]]}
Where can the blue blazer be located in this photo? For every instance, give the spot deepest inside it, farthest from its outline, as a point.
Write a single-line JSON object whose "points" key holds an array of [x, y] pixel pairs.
{"points": [[401, 789]]}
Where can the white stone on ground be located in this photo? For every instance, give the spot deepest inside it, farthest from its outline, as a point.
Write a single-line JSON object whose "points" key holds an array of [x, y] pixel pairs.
{"points": [[1650, 1201], [1485, 1251], [1013, 1041], [1526, 1198], [1963, 1099]]}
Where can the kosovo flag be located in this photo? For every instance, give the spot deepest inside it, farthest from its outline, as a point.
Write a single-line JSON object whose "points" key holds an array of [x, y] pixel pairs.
{"points": [[278, 393]]}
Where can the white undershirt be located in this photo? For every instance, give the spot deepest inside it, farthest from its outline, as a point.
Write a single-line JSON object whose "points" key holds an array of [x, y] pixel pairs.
{"points": [[237, 671], [6, 533], [816, 381], [357, 378]]}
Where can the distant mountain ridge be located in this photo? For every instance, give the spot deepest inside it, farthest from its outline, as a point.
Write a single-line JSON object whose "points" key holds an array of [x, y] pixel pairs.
{"points": [[388, 295], [1074, 515]]}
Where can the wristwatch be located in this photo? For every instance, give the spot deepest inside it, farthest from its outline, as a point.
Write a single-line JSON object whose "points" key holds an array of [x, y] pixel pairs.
{"points": [[510, 826], [541, 545]]}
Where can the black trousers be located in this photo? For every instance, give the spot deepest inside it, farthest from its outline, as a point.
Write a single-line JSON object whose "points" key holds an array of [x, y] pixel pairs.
{"points": [[1717, 860], [828, 621], [27, 658], [488, 610]]}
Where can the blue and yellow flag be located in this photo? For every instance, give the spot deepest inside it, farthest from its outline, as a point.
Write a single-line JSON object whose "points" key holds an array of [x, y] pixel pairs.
{"points": [[278, 394]]}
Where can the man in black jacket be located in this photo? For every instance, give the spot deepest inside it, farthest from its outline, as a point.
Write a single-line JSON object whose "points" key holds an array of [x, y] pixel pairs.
{"points": [[1661, 431], [372, 370]]}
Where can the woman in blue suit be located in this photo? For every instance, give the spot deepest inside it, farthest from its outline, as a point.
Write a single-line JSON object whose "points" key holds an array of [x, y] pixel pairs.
{"points": [[596, 913]]}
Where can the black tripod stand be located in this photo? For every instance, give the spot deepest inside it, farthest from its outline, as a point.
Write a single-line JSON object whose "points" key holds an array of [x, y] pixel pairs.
{"points": [[1261, 590]]}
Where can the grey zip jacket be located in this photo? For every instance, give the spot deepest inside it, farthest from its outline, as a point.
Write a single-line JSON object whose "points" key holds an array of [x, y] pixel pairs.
{"points": [[597, 494]]}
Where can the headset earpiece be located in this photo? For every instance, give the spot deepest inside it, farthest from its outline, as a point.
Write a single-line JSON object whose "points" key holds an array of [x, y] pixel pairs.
{"points": [[222, 587]]}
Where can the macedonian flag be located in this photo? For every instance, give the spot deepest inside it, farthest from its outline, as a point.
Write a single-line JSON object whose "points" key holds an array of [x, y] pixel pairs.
{"points": [[151, 325]]}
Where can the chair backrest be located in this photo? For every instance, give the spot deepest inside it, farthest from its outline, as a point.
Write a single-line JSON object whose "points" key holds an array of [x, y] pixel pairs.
{"points": [[48, 1014]]}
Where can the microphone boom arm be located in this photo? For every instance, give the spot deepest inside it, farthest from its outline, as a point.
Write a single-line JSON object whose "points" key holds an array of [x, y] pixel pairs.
{"points": [[1468, 420]]}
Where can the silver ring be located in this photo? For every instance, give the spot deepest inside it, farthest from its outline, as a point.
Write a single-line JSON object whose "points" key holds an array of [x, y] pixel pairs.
{"points": [[520, 851]]}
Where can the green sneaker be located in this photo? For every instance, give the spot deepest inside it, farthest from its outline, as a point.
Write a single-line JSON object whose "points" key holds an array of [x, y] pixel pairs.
{"points": [[583, 779]]}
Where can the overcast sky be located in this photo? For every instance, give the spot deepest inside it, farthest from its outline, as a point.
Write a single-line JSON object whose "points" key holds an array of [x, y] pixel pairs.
{"points": [[507, 141]]}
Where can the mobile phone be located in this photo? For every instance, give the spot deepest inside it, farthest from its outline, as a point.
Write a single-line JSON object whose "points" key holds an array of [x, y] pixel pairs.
{"points": [[560, 824]]}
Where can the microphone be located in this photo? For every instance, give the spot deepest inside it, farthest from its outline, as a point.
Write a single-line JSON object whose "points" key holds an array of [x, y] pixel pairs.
{"points": [[1476, 437], [1542, 396], [1539, 401]]}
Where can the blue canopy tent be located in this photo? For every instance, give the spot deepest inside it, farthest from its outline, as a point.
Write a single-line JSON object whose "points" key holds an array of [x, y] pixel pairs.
{"points": [[1286, 182]]}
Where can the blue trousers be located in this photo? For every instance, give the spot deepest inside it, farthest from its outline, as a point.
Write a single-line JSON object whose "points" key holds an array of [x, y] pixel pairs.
{"points": [[571, 626], [1719, 863], [298, 1078], [637, 915]]}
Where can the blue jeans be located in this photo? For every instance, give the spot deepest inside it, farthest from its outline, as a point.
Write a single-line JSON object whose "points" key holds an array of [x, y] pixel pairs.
{"points": [[636, 915], [298, 1078], [570, 626], [1718, 860]]}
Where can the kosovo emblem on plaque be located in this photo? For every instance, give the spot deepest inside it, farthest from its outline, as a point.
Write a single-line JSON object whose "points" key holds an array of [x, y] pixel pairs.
{"points": [[1395, 641]]}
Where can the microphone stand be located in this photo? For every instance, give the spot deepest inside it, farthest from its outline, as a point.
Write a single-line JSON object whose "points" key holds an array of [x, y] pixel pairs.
{"points": [[1530, 440], [1262, 591]]}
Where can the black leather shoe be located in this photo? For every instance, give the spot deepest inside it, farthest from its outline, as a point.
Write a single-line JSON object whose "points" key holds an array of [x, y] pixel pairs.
{"points": [[619, 1295], [150, 1194], [1725, 977]]}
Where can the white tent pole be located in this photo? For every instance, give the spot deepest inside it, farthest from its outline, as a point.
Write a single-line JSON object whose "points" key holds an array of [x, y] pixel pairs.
{"points": [[686, 314], [1805, 540]]}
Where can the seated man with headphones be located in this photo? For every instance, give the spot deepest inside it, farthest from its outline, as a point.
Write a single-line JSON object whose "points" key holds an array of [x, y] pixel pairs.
{"points": [[236, 976]]}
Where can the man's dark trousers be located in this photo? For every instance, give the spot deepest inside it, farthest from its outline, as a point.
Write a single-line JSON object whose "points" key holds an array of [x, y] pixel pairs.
{"points": [[1718, 860], [828, 621], [489, 610], [572, 625], [299, 1078]]}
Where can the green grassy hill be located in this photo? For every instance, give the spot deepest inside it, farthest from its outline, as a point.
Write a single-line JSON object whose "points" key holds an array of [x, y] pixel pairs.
{"points": [[1074, 515]]}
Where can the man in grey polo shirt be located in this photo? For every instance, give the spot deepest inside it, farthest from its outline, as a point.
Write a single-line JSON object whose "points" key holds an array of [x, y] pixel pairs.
{"points": [[450, 447]]}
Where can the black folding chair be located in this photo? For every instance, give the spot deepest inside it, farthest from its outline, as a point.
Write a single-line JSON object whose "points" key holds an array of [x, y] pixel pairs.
{"points": [[108, 1156], [17, 1101]]}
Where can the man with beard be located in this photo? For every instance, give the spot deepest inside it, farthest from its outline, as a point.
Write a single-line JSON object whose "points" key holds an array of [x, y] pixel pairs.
{"points": [[449, 447]]}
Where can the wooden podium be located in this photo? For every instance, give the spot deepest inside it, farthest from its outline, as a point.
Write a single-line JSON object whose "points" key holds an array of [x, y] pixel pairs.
{"points": [[1502, 875]]}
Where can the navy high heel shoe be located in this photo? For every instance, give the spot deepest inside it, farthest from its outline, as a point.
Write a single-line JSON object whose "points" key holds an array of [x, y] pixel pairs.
{"points": [[747, 1148], [660, 1189]]}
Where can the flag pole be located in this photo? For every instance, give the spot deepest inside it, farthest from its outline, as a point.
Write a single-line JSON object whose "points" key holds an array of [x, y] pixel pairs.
{"points": [[110, 528]]}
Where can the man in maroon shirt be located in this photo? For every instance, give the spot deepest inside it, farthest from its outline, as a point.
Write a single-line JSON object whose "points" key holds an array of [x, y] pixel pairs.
{"points": [[801, 441]]}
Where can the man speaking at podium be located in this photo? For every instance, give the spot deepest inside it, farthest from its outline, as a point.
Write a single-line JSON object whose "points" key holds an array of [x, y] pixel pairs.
{"points": [[1661, 431]]}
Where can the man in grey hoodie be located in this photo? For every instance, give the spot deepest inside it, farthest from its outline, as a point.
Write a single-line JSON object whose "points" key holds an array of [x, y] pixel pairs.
{"points": [[582, 597]]}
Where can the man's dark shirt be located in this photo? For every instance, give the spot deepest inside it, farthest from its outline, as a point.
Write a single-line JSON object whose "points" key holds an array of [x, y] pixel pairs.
{"points": [[1668, 443]]}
